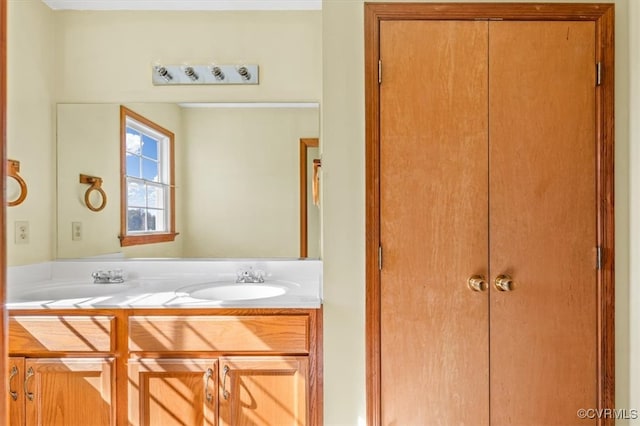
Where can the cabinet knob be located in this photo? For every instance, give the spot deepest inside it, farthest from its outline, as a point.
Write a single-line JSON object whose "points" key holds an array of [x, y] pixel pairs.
{"points": [[503, 283], [477, 283]]}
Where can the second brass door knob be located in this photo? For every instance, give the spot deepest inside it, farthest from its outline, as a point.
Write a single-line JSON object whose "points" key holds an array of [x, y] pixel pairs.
{"points": [[503, 283]]}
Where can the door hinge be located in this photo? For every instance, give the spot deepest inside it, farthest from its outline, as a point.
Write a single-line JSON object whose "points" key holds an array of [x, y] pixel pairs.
{"points": [[599, 258], [598, 73], [380, 258], [379, 71]]}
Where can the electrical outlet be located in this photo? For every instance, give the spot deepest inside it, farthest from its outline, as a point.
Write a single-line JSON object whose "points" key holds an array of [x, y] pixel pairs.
{"points": [[22, 232], [76, 231]]}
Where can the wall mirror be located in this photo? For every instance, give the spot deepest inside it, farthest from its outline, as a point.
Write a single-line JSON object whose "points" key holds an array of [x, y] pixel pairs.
{"points": [[237, 168], [237, 179]]}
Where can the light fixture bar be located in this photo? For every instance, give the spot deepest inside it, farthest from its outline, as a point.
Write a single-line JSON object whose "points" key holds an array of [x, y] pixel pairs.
{"points": [[169, 75]]}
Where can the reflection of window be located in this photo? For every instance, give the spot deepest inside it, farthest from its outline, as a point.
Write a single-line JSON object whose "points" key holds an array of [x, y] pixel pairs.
{"points": [[147, 211]]}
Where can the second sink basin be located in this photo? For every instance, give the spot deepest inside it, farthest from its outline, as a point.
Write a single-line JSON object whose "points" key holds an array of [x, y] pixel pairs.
{"points": [[228, 291]]}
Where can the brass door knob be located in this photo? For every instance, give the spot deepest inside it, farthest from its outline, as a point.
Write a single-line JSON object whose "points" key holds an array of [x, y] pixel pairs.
{"points": [[477, 283], [503, 283]]}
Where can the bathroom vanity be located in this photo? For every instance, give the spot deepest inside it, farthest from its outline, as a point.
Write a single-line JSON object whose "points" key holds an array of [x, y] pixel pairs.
{"points": [[154, 355]]}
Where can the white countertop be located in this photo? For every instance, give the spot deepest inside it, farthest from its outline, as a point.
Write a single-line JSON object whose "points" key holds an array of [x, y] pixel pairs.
{"points": [[162, 283]]}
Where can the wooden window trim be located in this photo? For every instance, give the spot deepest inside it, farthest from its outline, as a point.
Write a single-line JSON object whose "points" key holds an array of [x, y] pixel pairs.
{"points": [[603, 17], [132, 240]]}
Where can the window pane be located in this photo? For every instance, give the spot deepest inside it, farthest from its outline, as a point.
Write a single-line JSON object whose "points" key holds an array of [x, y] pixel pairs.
{"points": [[135, 220], [150, 170], [135, 194], [133, 165], [155, 197], [149, 147], [134, 141], [155, 220]]}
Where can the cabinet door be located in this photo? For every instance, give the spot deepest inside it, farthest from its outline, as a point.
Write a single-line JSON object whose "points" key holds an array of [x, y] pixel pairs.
{"points": [[70, 392], [173, 392], [544, 332], [264, 391], [16, 391], [433, 223]]}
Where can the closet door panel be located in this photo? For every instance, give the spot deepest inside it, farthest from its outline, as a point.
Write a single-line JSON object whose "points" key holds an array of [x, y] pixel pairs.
{"points": [[433, 207], [542, 198]]}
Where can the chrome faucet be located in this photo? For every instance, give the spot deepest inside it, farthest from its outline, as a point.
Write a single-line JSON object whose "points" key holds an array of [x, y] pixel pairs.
{"points": [[250, 276], [108, 277]]}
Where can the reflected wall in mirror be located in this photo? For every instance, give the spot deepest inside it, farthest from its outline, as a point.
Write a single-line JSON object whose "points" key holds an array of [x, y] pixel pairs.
{"points": [[236, 178]]}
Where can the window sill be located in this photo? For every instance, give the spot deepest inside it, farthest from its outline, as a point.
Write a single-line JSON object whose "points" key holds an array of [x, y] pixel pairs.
{"points": [[134, 240]]}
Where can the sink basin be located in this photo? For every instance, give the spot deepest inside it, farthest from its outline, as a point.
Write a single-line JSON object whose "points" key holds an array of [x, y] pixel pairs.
{"points": [[69, 291], [228, 291]]}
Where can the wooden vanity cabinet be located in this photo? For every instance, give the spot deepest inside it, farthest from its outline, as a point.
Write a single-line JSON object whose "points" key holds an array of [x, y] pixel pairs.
{"points": [[173, 392], [253, 389], [57, 391], [251, 367], [64, 371], [201, 367]]}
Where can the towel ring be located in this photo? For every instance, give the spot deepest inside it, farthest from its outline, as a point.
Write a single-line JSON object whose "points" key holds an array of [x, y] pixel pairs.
{"points": [[96, 185], [14, 168]]}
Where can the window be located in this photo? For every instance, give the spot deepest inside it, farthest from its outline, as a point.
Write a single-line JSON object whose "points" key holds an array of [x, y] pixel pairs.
{"points": [[147, 188]]}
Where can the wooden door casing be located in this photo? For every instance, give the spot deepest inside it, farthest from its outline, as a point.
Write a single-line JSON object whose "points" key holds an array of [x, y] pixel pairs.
{"points": [[601, 15], [4, 352], [70, 391], [433, 196], [543, 221], [264, 391], [180, 392]]}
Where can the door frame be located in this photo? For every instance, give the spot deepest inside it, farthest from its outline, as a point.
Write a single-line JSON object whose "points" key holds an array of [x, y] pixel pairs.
{"points": [[603, 16], [4, 360]]}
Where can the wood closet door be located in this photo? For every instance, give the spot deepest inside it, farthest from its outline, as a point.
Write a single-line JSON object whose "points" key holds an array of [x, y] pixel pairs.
{"points": [[433, 207], [543, 222]]}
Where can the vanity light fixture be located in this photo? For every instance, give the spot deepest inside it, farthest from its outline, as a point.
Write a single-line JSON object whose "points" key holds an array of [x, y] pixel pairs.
{"points": [[190, 72], [244, 73], [217, 72], [165, 75]]}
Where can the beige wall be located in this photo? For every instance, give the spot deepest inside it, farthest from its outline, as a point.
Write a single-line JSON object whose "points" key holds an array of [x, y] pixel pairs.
{"points": [[344, 211], [30, 129], [107, 56], [89, 143], [242, 180]]}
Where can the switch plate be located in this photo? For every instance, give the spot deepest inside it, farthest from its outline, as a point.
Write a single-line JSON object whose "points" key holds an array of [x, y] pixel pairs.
{"points": [[22, 232], [76, 231]]}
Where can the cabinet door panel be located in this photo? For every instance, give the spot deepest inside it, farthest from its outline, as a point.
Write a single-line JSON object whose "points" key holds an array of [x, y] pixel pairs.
{"points": [[70, 392], [167, 392], [16, 392], [264, 391], [434, 224], [543, 221]]}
